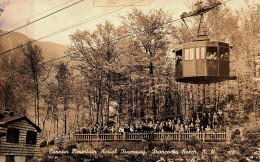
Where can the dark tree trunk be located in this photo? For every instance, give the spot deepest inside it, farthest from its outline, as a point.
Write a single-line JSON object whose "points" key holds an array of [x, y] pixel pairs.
{"points": [[57, 126], [90, 110], [77, 115], [107, 109], [204, 98], [154, 107]]}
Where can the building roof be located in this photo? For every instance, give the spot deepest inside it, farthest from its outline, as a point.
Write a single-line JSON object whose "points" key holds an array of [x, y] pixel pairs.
{"points": [[12, 119]]}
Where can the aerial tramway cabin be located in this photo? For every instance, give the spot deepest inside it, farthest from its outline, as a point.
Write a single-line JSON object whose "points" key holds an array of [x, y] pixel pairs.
{"points": [[19, 138], [202, 62]]}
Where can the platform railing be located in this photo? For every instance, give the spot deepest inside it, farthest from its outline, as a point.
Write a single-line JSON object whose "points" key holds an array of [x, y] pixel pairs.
{"points": [[162, 136]]}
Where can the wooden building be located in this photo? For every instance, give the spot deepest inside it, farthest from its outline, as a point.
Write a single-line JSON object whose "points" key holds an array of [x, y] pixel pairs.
{"points": [[19, 139]]}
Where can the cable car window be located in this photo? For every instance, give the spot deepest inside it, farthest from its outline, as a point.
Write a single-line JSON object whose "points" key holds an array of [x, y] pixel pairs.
{"points": [[226, 53], [197, 53], [178, 56], [202, 52], [187, 54], [192, 53], [212, 53], [221, 53]]}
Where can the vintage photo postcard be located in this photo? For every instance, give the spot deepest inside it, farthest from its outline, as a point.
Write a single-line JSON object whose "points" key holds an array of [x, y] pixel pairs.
{"points": [[129, 80]]}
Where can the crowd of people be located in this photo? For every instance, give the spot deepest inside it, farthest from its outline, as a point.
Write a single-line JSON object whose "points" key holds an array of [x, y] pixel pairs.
{"points": [[197, 123]]}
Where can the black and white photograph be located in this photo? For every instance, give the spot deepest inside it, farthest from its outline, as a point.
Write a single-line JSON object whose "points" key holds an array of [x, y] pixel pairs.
{"points": [[129, 80]]}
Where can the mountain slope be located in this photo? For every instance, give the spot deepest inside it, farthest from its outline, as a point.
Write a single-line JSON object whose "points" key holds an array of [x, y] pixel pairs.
{"points": [[49, 50]]}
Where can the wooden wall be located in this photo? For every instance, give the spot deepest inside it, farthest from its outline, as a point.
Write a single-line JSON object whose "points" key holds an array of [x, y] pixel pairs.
{"points": [[20, 148]]}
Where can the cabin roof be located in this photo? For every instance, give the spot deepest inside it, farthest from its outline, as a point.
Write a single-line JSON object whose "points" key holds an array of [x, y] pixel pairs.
{"points": [[12, 119], [199, 44]]}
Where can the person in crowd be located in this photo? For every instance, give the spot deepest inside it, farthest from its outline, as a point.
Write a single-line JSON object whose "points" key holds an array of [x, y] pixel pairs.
{"points": [[207, 129], [155, 128], [173, 128], [185, 121], [198, 129], [220, 118], [175, 120], [204, 121], [126, 128], [121, 129], [77, 130], [95, 129], [162, 131], [178, 121], [144, 128], [177, 128], [197, 122], [150, 126], [139, 128], [84, 130], [131, 129], [136, 124], [112, 129], [117, 128], [192, 127], [165, 127], [202, 128], [209, 119], [182, 128], [192, 121], [160, 127], [186, 128], [106, 130]]}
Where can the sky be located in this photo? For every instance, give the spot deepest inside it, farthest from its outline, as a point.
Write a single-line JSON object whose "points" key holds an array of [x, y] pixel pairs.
{"points": [[20, 12]]}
